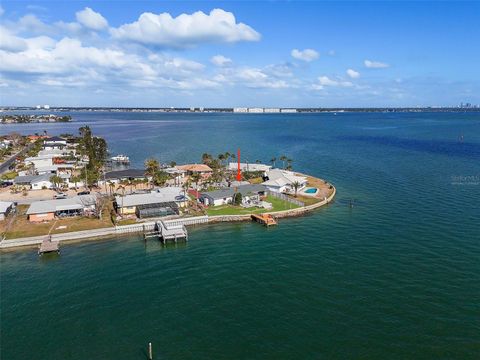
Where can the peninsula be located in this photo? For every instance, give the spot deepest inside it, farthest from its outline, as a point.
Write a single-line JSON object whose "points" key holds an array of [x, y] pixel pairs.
{"points": [[65, 190], [25, 119]]}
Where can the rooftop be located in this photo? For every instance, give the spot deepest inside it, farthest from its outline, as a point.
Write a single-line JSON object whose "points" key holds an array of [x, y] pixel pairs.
{"points": [[128, 173], [162, 195], [195, 167], [29, 179], [228, 192], [278, 177], [4, 205], [73, 203], [249, 167]]}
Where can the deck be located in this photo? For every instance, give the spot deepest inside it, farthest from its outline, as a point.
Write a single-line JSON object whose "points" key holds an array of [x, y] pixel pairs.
{"points": [[264, 219], [168, 232], [47, 246]]}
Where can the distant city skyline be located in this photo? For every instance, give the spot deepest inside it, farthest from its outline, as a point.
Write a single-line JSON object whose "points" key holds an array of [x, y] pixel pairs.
{"points": [[239, 54]]}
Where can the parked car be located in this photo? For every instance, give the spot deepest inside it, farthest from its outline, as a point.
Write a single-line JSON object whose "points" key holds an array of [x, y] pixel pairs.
{"points": [[60, 196], [83, 192]]}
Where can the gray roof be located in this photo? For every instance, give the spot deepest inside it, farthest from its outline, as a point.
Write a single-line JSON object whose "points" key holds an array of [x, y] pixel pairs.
{"points": [[54, 138], [228, 192], [163, 195], [123, 174], [29, 179], [4, 205], [73, 203]]}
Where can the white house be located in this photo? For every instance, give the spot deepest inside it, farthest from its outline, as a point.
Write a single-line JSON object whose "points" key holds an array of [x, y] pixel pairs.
{"points": [[246, 167], [40, 161], [35, 182], [282, 181], [54, 142], [249, 193]]}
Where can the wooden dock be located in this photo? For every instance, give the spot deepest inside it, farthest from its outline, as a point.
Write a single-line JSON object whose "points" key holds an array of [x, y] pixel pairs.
{"points": [[168, 232], [264, 219], [48, 245]]}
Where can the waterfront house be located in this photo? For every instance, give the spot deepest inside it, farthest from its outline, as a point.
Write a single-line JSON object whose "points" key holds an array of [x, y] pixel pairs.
{"points": [[5, 208], [34, 182], [281, 181], [46, 210], [160, 202], [250, 193], [124, 175], [246, 167], [54, 142], [204, 170]]}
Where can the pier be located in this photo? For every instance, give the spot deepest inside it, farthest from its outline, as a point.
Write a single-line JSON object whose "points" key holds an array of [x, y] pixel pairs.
{"points": [[48, 246], [166, 232], [264, 219]]}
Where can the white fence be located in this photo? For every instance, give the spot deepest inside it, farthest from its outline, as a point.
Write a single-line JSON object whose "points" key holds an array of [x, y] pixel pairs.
{"points": [[286, 198]]}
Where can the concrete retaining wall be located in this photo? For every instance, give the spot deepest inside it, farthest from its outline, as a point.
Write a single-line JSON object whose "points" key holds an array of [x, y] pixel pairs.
{"points": [[149, 226]]}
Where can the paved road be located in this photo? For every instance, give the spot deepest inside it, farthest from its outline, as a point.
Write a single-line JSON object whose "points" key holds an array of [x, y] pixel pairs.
{"points": [[6, 164]]}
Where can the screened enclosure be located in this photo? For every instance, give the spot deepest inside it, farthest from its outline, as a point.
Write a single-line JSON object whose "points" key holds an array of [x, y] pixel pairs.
{"points": [[157, 210]]}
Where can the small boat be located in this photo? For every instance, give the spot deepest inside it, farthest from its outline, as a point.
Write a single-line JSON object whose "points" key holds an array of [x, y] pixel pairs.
{"points": [[120, 159]]}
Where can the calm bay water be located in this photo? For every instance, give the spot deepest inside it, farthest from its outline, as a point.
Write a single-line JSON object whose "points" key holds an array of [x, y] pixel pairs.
{"points": [[397, 276]]}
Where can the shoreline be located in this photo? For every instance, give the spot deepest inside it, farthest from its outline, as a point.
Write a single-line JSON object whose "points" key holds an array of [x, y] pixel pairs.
{"points": [[112, 232]]}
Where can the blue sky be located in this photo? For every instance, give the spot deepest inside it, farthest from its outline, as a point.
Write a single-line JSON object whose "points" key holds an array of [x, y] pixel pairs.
{"points": [[243, 53]]}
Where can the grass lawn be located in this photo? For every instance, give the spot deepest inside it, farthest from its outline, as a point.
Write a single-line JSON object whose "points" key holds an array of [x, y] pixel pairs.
{"points": [[9, 175], [278, 205], [21, 227]]}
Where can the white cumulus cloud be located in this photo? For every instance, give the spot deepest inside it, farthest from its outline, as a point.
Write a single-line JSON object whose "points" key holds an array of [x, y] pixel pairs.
{"points": [[326, 81], [375, 64], [305, 55], [220, 60], [186, 30], [353, 74], [91, 19]]}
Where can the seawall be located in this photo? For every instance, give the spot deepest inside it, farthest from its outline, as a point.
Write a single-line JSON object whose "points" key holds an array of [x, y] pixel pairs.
{"points": [[148, 226]]}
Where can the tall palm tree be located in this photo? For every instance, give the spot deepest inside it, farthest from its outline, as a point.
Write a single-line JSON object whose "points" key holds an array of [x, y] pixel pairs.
{"points": [[227, 157], [283, 158], [111, 187], [152, 166], [221, 157], [289, 164], [295, 186], [195, 177], [272, 160]]}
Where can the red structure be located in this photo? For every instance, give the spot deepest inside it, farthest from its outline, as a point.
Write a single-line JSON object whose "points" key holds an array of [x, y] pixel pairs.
{"points": [[239, 172]]}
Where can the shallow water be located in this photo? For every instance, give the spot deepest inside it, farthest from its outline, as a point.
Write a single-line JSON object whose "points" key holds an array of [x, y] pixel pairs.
{"points": [[396, 276]]}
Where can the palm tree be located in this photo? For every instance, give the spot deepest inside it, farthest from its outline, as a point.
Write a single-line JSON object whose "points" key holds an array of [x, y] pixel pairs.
{"points": [[111, 186], [289, 164], [227, 157], [272, 160], [75, 179], [206, 158], [221, 157], [122, 189], [195, 177], [296, 185], [151, 168], [258, 161], [56, 180], [283, 158]]}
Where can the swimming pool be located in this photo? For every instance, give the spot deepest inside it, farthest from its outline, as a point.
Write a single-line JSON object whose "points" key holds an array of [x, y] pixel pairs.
{"points": [[311, 191]]}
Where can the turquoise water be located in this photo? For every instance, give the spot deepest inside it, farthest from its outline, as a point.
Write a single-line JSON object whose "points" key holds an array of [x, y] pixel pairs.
{"points": [[395, 276], [311, 191]]}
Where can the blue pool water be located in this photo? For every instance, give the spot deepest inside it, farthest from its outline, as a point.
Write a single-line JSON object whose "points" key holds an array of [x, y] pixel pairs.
{"points": [[311, 191]]}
